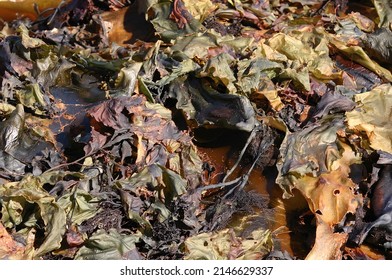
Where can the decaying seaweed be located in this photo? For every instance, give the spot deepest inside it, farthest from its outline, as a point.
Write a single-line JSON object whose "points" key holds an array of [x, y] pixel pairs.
{"points": [[105, 105]]}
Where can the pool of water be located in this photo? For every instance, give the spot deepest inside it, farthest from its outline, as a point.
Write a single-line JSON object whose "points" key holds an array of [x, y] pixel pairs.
{"points": [[263, 182], [72, 120]]}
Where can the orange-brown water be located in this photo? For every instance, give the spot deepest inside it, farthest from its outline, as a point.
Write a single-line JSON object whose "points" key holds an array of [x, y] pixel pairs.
{"points": [[288, 214], [10, 10], [223, 158]]}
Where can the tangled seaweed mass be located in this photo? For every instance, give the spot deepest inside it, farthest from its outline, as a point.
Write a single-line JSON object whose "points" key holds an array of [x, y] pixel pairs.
{"points": [[110, 111]]}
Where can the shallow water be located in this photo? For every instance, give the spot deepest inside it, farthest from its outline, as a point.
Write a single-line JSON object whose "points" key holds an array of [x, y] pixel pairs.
{"points": [[72, 121], [223, 158]]}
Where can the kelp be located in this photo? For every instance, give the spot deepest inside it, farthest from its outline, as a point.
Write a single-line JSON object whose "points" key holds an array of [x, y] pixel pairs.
{"points": [[300, 152], [323, 181], [383, 9], [372, 117], [109, 246], [115, 173], [170, 22], [229, 244], [25, 147], [205, 105], [378, 44], [381, 205], [26, 204]]}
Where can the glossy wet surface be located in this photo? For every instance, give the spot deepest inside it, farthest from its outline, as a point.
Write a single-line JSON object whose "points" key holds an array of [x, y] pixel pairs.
{"points": [[73, 104], [290, 221], [287, 239]]}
